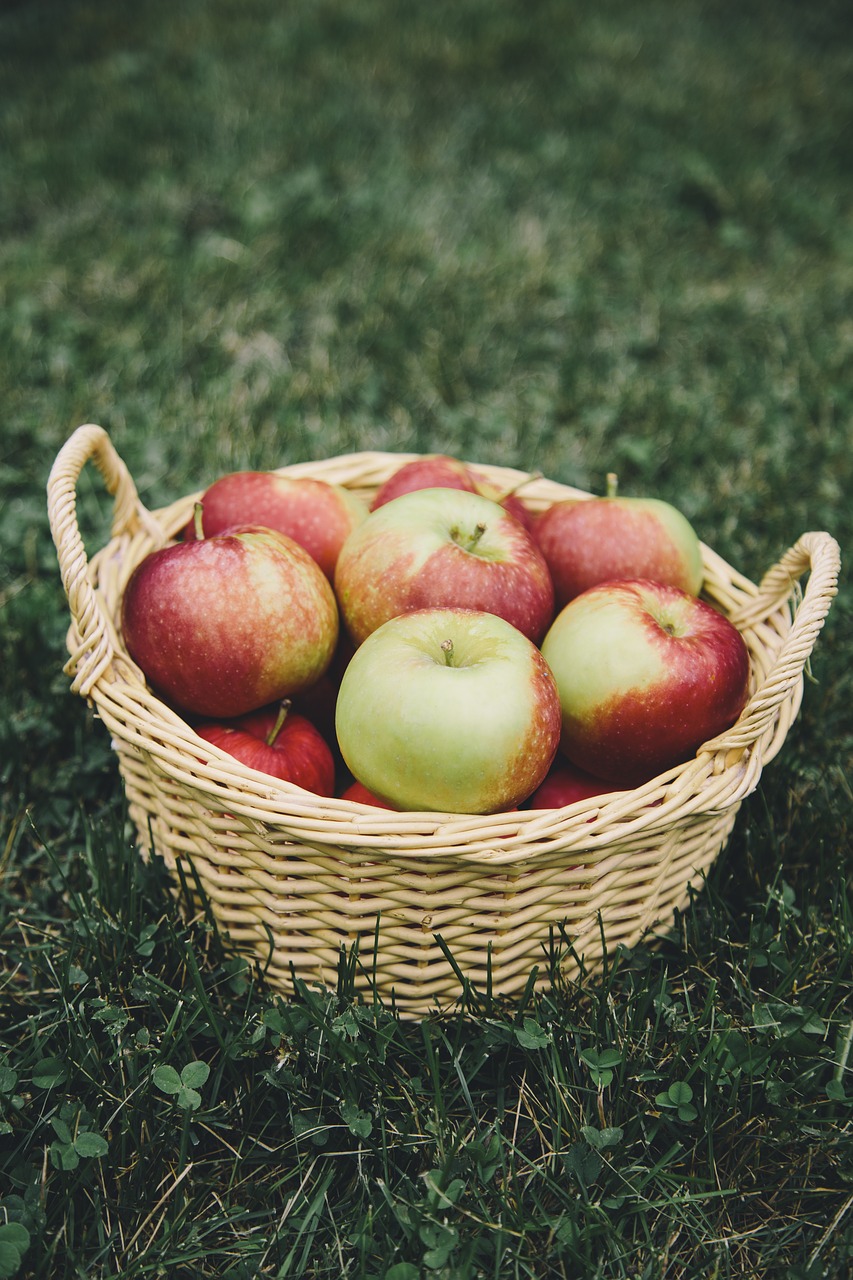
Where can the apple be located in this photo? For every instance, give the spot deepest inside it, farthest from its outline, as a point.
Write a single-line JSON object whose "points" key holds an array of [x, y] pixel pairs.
{"points": [[358, 793], [318, 515], [431, 471], [646, 673], [566, 784], [317, 702], [590, 540], [223, 625], [451, 710], [436, 548], [440, 471], [509, 499], [280, 742]]}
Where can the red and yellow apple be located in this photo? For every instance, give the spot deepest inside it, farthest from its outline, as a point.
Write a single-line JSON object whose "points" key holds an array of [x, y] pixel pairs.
{"points": [[318, 515], [223, 625], [442, 548], [451, 710], [590, 540], [646, 673], [431, 471]]}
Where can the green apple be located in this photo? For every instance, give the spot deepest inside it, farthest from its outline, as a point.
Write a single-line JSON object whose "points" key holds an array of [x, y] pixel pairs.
{"points": [[448, 709]]}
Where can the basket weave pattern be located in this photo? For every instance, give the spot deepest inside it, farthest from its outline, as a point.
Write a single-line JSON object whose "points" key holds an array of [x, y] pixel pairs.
{"points": [[292, 877]]}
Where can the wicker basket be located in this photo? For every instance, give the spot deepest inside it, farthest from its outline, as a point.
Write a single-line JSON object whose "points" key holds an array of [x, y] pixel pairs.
{"points": [[292, 878]]}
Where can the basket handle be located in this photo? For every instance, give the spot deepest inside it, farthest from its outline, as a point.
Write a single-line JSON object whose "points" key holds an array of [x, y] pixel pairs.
{"points": [[95, 652], [820, 556]]}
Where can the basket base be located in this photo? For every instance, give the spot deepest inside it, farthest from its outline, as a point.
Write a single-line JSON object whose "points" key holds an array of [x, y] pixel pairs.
{"points": [[420, 938]]}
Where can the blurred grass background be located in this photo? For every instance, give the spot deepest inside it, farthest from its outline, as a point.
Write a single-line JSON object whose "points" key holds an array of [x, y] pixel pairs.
{"points": [[570, 238]]}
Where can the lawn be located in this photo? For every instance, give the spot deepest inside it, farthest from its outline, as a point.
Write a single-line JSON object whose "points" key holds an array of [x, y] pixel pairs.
{"points": [[563, 238]]}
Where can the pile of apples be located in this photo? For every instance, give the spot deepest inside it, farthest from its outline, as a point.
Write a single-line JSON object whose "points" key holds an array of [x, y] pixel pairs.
{"points": [[445, 648]]}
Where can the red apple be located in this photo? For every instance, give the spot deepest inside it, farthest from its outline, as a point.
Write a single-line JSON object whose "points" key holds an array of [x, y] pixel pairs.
{"points": [[439, 471], [566, 784], [590, 540], [279, 742], [357, 792], [437, 548], [646, 674], [448, 709], [431, 471], [225, 624], [318, 515]]}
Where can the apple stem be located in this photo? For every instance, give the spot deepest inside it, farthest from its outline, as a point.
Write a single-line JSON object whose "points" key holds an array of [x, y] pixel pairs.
{"points": [[280, 719], [468, 541], [447, 647], [519, 485], [198, 512], [612, 484]]}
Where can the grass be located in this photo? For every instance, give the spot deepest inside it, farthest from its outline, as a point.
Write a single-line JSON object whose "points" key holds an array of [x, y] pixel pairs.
{"points": [[556, 237]]}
